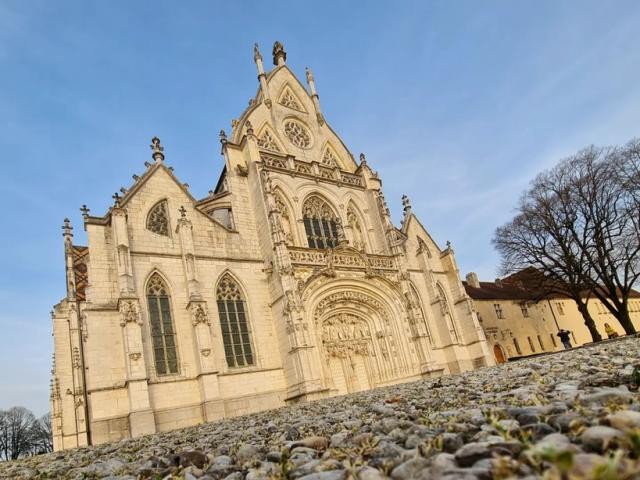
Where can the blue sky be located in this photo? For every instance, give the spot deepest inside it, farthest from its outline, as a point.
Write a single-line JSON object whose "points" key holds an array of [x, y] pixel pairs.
{"points": [[458, 104]]}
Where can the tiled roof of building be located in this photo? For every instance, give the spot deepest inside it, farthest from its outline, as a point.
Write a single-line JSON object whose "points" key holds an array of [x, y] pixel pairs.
{"points": [[522, 285]]}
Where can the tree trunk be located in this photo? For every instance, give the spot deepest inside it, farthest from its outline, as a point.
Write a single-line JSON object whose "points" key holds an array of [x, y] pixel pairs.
{"points": [[588, 320], [625, 320]]}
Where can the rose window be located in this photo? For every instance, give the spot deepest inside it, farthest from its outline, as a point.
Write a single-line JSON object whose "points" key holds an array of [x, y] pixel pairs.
{"points": [[297, 134]]}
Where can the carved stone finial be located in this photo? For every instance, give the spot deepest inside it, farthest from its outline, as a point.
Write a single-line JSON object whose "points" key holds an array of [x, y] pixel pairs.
{"points": [[147, 164], [363, 159], [249, 127], [223, 137], [85, 211], [183, 211], [135, 177], [116, 199], [448, 245], [406, 205], [123, 190], [66, 228], [309, 74], [157, 149], [279, 55], [256, 52]]}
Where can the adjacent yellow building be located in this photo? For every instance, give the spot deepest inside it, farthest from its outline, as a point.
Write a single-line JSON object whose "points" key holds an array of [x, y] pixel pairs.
{"points": [[516, 324]]}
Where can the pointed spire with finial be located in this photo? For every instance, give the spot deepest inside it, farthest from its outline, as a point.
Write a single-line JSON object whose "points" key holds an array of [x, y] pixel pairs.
{"points": [[157, 149], [85, 211], [363, 160], [314, 95], [116, 199], [223, 137], [279, 55], [261, 75], [249, 127]]}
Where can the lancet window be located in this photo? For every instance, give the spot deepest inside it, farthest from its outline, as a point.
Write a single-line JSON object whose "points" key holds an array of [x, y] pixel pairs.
{"points": [[320, 223], [158, 219], [162, 332], [236, 334]]}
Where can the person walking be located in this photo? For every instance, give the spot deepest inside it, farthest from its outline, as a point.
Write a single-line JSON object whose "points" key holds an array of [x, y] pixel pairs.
{"points": [[565, 338]]}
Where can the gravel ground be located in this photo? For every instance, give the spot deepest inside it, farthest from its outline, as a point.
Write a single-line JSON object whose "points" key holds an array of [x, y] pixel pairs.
{"points": [[570, 415]]}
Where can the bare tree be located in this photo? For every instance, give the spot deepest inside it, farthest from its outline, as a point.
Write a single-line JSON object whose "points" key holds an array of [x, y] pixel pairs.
{"points": [[41, 435], [540, 236], [579, 225], [16, 429]]}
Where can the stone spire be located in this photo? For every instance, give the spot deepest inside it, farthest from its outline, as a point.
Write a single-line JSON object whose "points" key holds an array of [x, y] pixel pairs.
{"points": [[157, 149], [314, 95], [67, 233], [257, 57], [279, 55]]}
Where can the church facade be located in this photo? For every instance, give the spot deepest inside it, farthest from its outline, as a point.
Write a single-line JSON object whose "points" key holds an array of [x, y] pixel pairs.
{"points": [[287, 283]]}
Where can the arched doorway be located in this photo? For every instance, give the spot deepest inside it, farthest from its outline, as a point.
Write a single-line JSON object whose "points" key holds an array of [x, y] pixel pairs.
{"points": [[498, 352], [359, 340]]}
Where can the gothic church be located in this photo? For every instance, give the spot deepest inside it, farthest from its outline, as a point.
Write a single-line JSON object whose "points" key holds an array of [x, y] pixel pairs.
{"points": [[287, 283]]}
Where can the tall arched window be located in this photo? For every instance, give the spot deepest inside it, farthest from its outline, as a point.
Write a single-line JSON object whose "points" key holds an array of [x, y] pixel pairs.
{"points": [[162, 334], [236, 333], [320, 223]]}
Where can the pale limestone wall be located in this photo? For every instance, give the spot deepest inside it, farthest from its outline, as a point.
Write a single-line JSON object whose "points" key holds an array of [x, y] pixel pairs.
{"points": [[412, 316]]}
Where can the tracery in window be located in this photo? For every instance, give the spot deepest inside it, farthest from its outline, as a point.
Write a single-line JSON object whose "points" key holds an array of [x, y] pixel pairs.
{"points": [[446, 311], [236, 334], [267, 142], [288, 99], [320, 223], [162, 332], [329, 158], [158, 219], [423, 317], [357, 231], [297, 134]]}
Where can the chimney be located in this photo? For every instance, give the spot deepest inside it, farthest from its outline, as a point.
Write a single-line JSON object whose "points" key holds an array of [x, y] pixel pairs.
{"points": [[472, 280], [498, 282]]}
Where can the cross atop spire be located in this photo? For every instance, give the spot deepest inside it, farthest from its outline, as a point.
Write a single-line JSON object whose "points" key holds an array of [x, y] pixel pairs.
{"points": [[157, 149], [279, 55]]}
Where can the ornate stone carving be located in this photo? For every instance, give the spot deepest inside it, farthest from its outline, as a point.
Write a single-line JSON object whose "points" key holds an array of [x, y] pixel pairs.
{"points": [[288, 99], [135, 356], [297, 134], [158, 219], [344, 335], [129, 310], [205, 352], [267, 142], [199, 315], [329, 158], [76, 357]]}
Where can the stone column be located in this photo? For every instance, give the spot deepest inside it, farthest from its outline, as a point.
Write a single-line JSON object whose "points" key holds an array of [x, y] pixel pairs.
{"points": [[207, 372]]}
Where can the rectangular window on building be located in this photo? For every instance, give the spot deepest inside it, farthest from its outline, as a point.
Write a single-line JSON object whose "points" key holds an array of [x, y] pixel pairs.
{"points": [[560, 307], [525, 309], [498, 308], [517, 345], [533, 349], [540, 343], [553, 340]]}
